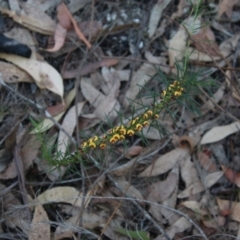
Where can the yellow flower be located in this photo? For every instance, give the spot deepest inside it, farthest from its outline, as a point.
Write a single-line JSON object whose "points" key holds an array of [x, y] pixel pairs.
{"points": [[130, 132], [95, 138], [177, 94], [139, 127], [122, 136], [149, 113], [156, 116], [116, 137], [84, 144], [112, 140], [122, 130], [145, 123], [102, 146], [164, 93], [145, 116], [134, 121], [115, 129], [92, 145]]}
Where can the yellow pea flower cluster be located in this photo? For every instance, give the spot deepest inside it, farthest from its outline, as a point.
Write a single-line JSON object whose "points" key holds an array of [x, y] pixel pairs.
{"points": [[136, 124], [174, 90]]}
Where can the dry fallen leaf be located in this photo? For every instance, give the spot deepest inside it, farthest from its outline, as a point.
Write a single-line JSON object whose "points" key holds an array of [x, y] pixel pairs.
{"points": [[206, 162], [69, 123], [195, 207], [204, 41], [179, 226], [177, 45], [46, 124], [76, 28], [231, 175], [200, 186], [161, 190], [188, 171], [226, 48], [155, 16], [218, 133], [140, 78], [165, 162], [89, 68], [129, 189], [105, 105], [233, 208], [40, 226], [226, 6], [45, 75], [13, 74], [44, 25], [62, 194]]}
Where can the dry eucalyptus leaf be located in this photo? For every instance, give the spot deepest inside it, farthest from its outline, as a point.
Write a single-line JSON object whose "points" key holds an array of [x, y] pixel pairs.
{"points": [[218, 133], [177, 45], [44, 25], [165, 162], [13, 74], [69, 123], [226, 7], [231, 175], [195, 207], [193, 189], [140, 78], [129, 189], [104, 105], [40, 226], [188, 171], [232, 207], [45, 75], [47, 123], [156, 15], [62, 194]]}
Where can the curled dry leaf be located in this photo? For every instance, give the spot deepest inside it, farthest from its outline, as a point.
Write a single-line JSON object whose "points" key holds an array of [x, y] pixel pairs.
{"points": [[165, 162], [45, 75], [76, 28], [218, 133], [40, 227], [231, 175], [59, 38], [64, 23], [233, 208], [186, 141]]}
